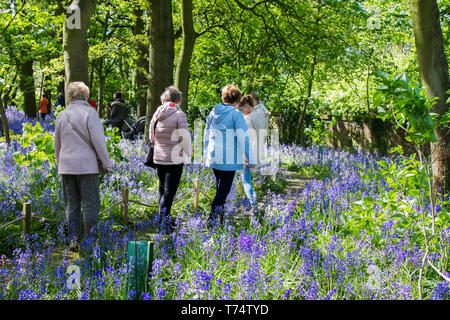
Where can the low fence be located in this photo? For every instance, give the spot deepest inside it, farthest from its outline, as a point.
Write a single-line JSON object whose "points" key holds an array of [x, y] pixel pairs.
{"points": [[379, 136], [26, 219], [124, 203]]}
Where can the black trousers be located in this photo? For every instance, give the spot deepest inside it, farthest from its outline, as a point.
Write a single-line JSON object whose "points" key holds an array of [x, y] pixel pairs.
{"points": [[169, 178], [224, 181]]}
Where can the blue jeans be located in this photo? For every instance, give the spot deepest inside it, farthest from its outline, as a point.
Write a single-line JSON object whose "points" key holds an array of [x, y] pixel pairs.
{"points": [[246, 178]]}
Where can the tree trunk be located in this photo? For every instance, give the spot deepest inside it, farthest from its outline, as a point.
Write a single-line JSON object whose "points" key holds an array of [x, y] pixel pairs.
{"points": [[91, 79], [161, 55], [433, 68], [75, 45], [5, 127], [48, 87], [308, 97], [187, 48], [369, 113], [27, 86], [61, 85], [4, 97], [101, 84], [142, 63]]}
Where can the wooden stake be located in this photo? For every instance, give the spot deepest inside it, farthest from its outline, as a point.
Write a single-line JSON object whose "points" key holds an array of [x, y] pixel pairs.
{"points": [[125, 205], [196, 193], [239, 189], [26, 218]]}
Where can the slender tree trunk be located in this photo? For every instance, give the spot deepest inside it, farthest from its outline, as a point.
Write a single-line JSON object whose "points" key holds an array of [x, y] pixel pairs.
{"points": [[5, 127], [161, 55], [99, 68], [187, 48], [433, 68], [123, 79], [308, 97], [75, 43], [61, 85], [47, 87], [3, 105], [101, 84], [41, 91], [369, 113], [27, 87], [4, 120], [91, 79], [142, 62]]}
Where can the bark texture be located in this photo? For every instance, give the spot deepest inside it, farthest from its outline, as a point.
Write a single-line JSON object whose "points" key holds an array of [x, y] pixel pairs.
{"points": [[433, 68], [75, 42], [161, 55]]}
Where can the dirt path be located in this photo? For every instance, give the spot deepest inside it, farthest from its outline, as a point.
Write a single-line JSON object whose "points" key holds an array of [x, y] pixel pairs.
{"points": [[296, 181]]}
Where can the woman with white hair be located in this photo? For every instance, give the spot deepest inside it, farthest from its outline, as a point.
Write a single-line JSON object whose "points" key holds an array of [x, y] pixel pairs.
{"points": [[80, 150]]}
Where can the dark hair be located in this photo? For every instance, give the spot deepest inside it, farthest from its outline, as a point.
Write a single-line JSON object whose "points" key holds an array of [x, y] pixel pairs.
{"points": [[248, 99], [255, 96], [117, 95], [231, 94], [44, 95]]}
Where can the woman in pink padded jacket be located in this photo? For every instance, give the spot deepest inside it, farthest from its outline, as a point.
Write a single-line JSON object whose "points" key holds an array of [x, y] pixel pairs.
{"points": [[171, 139]]}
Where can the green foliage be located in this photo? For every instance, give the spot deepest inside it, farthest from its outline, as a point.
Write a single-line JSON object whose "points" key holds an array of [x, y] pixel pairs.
{"points": [[364, 218], [112, 141], [318, 133], [407, 104], [40, 144]]}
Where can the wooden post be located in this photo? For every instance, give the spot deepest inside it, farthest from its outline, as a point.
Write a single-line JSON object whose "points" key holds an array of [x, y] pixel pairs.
{"points": [[125, 205], [26, 211], [239, 189], [196, 192]]}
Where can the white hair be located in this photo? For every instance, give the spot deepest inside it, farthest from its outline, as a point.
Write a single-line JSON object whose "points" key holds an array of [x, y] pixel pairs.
{"points": [[77, 91], [172, 94]]}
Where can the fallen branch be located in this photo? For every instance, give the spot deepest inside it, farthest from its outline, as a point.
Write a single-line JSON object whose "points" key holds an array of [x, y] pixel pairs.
{"points": [[437, 270]]}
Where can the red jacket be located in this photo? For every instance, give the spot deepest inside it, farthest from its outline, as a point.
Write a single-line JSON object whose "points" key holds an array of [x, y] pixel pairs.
{"points": [[43, 105]]}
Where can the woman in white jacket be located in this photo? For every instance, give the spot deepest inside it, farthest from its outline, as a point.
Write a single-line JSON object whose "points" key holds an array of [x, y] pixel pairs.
{"points": [[80, 145], [256, 122]]}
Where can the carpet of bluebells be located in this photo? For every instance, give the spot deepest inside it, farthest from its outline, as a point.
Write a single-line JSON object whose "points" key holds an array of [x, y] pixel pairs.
{"points": [[322, 242]]}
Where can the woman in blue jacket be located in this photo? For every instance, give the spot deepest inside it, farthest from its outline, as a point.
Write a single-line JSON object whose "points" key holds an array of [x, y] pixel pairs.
{"points": [[226, 146]]}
